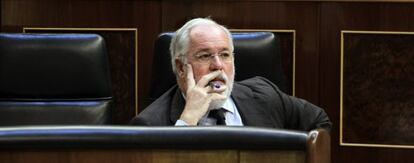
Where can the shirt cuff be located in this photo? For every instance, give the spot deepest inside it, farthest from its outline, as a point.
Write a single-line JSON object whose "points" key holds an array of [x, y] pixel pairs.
{"points": [[180, 123]]}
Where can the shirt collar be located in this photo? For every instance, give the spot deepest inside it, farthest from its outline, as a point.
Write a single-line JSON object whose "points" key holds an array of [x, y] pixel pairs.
{"points": [[228, 105]]}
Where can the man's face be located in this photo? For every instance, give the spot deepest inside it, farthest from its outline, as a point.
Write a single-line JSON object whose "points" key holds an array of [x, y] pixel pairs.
{"points": [[209, 51]]}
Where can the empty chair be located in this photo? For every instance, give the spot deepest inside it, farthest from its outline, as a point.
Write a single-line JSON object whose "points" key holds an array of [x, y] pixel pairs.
{"points": [[54, 79]]}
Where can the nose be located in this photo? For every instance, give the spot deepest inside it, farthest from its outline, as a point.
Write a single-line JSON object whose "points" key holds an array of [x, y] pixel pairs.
{"points": [[216, 63]]}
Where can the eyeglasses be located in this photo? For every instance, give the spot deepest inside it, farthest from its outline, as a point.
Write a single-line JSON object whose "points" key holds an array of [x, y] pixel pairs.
{"points": [[204, 57]]}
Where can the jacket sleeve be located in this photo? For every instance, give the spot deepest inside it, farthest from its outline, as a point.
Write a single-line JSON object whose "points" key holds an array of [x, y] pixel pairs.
{"points": [[299, 114]]}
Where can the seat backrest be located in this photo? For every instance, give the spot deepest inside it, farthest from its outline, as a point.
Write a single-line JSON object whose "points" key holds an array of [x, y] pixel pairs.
{"points": [[256, 54], [54, 79]]}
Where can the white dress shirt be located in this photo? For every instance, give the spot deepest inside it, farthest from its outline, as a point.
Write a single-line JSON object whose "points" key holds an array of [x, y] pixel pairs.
{"points": [[232, 116]]}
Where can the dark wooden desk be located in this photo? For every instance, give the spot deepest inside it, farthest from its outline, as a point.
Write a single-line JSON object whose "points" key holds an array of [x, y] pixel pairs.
{"points": [[136, 155], [137, 144]]}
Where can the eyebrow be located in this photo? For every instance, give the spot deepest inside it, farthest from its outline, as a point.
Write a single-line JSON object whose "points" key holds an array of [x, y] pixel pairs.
{"points": [[208, 50]]}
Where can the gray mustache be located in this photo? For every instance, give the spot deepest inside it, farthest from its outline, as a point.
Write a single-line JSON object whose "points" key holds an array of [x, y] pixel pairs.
{"points": [[223, 77]]}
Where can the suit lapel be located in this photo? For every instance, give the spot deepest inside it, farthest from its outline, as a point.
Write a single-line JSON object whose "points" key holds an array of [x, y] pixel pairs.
{"points": [[177, 106], [251, 114]]}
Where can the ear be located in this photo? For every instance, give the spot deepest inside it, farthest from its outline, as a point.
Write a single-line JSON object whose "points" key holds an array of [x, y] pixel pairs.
{"points": [[179, 67]]}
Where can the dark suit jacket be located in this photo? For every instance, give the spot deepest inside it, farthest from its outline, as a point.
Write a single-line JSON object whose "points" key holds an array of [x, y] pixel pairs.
{"points": [[259, 102]]}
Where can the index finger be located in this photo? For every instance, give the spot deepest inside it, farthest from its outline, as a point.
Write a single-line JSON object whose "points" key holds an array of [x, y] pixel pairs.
{"points": [[190, 76]]}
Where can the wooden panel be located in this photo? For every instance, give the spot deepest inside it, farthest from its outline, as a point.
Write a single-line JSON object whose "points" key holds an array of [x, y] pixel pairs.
{"points": [[271, 156], [135, 155], [378, 89], [355, 16]]}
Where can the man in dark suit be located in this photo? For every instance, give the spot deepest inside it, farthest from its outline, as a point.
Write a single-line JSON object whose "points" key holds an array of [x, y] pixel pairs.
{"points": [[203, 61]]}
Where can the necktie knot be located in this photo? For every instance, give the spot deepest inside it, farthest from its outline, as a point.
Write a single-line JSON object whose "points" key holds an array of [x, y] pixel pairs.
{"points": [[218, 115]]}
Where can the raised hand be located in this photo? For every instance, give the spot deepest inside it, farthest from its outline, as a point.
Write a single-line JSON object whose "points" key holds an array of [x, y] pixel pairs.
{"points": [[199, 96]]}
